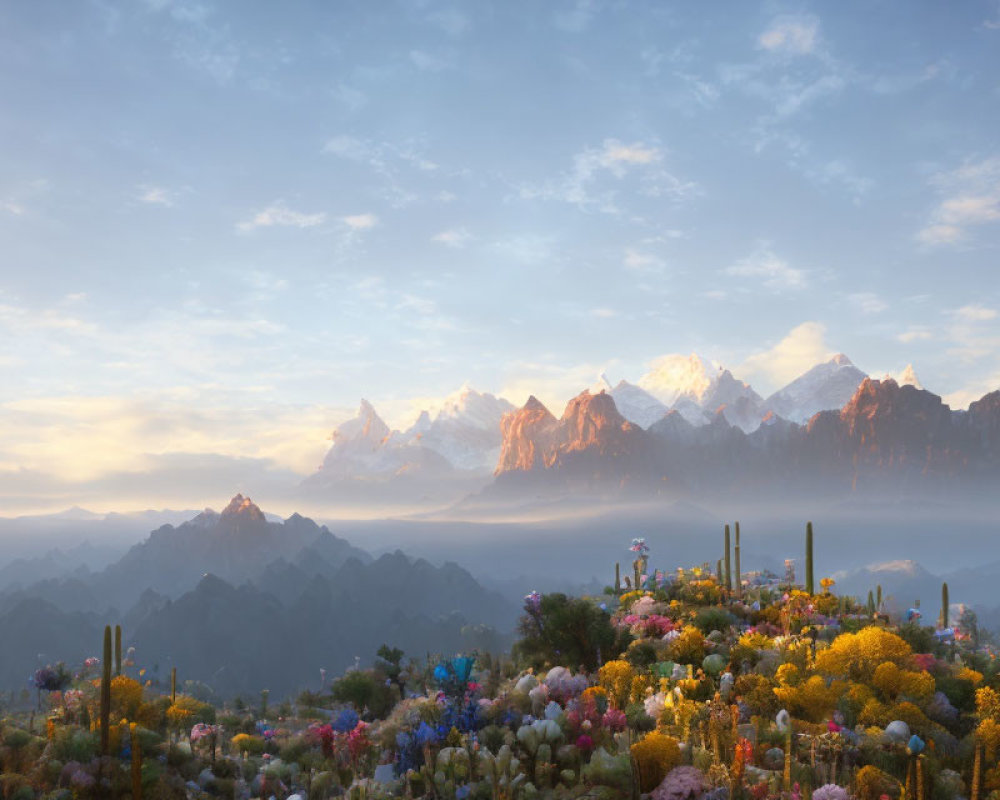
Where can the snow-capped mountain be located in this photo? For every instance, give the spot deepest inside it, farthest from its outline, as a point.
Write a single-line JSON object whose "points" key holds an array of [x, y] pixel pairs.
{"points": [[465, 430], [633, 402], [364, 446], [698, 390], [908, 377], [463, 434], [674, 377], [826, 386]]}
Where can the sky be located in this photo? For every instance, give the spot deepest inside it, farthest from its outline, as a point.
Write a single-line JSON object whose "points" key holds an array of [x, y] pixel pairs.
{"points": [[223, 223]]}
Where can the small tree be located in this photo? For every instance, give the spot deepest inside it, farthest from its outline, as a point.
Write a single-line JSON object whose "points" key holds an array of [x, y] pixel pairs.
{"points": [[390, 662], [51, 679], [569, 631]]}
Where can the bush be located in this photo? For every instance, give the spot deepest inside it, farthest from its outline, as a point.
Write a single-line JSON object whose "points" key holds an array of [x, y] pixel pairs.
{"points": [[688, 648], [556, 629], [655, 755], [713, 619]]}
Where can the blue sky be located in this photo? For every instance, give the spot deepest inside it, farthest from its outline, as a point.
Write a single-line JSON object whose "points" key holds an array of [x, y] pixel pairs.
{"points": [[225, 222]]}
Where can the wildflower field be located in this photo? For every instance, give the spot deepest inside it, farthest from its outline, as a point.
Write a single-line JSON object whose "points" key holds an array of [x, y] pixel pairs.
{"points": [[676, 684]]}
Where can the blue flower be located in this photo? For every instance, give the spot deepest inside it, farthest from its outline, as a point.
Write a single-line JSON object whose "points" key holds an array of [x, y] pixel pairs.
{"points": [[346, 721], [425, 735]]}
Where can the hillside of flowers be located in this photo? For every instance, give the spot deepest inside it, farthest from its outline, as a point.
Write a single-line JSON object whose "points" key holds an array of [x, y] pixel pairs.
{"points": [[691, 683]]}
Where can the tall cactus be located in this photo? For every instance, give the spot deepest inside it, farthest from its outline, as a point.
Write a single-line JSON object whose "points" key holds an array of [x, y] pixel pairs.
{"points": [[618, 578], [739, 574], [136, 762], [106, 694], [878, 597], [118, 649], [810, 585], [718, 571], [977, 771], [871, 602], [944, 604], [729, 572]]}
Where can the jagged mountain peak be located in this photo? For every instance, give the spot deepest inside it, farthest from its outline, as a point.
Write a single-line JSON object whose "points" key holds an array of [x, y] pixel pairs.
{"points": [[243, 508], [674, 376], [825, 387], [602, 384], [908, 377], [365, 425], [534, 404]]}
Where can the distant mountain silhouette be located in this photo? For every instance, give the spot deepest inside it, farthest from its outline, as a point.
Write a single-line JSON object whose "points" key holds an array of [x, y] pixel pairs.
{"points": [[897, 440], [241, 604]]}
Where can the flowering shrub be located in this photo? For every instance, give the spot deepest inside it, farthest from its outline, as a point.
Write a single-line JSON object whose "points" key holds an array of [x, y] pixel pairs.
{"points": [[655, 755], [615, 677], [681, 783]]}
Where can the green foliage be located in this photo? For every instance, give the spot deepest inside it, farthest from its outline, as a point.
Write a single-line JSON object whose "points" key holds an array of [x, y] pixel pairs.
{"points": [[641, 654], [713, 619], [362, 690], [920, 638], [569, 631]]}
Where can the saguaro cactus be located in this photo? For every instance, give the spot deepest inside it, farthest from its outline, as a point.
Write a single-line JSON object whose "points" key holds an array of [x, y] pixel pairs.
{"points": [[106, 694], [729, 572], [618, 578], [810, 585], [944, 604], [118, 649], [136, 763], [739, 574]]}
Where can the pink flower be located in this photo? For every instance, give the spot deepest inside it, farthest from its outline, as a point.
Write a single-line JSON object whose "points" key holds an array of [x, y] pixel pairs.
{"points": [[585, 743], [614, 720]]}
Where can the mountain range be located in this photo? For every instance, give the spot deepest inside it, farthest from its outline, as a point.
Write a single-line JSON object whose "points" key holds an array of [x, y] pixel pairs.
{"points": [[888, 441], [688, 429], [240, 603]]}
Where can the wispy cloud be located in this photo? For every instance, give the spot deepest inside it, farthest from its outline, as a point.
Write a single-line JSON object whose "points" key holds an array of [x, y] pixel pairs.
{"points": [[156, 196], [638, 261], [803, 348], [917, 333], [867, 302], [975, 313], [970, 197], [791, 35], [399, 166], [453, 237], [430, 62], [360, 222], [451, 21], [768, 270], [279, 215], [576, 17], [587, 184]]}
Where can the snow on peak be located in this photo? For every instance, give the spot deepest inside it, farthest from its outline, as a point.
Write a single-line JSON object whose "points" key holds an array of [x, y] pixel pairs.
{"points": [[902, 566], [908, 377], [602, 384], [825, 387], [636, 404], [478, 409], [674, 376], [365, 425]]}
